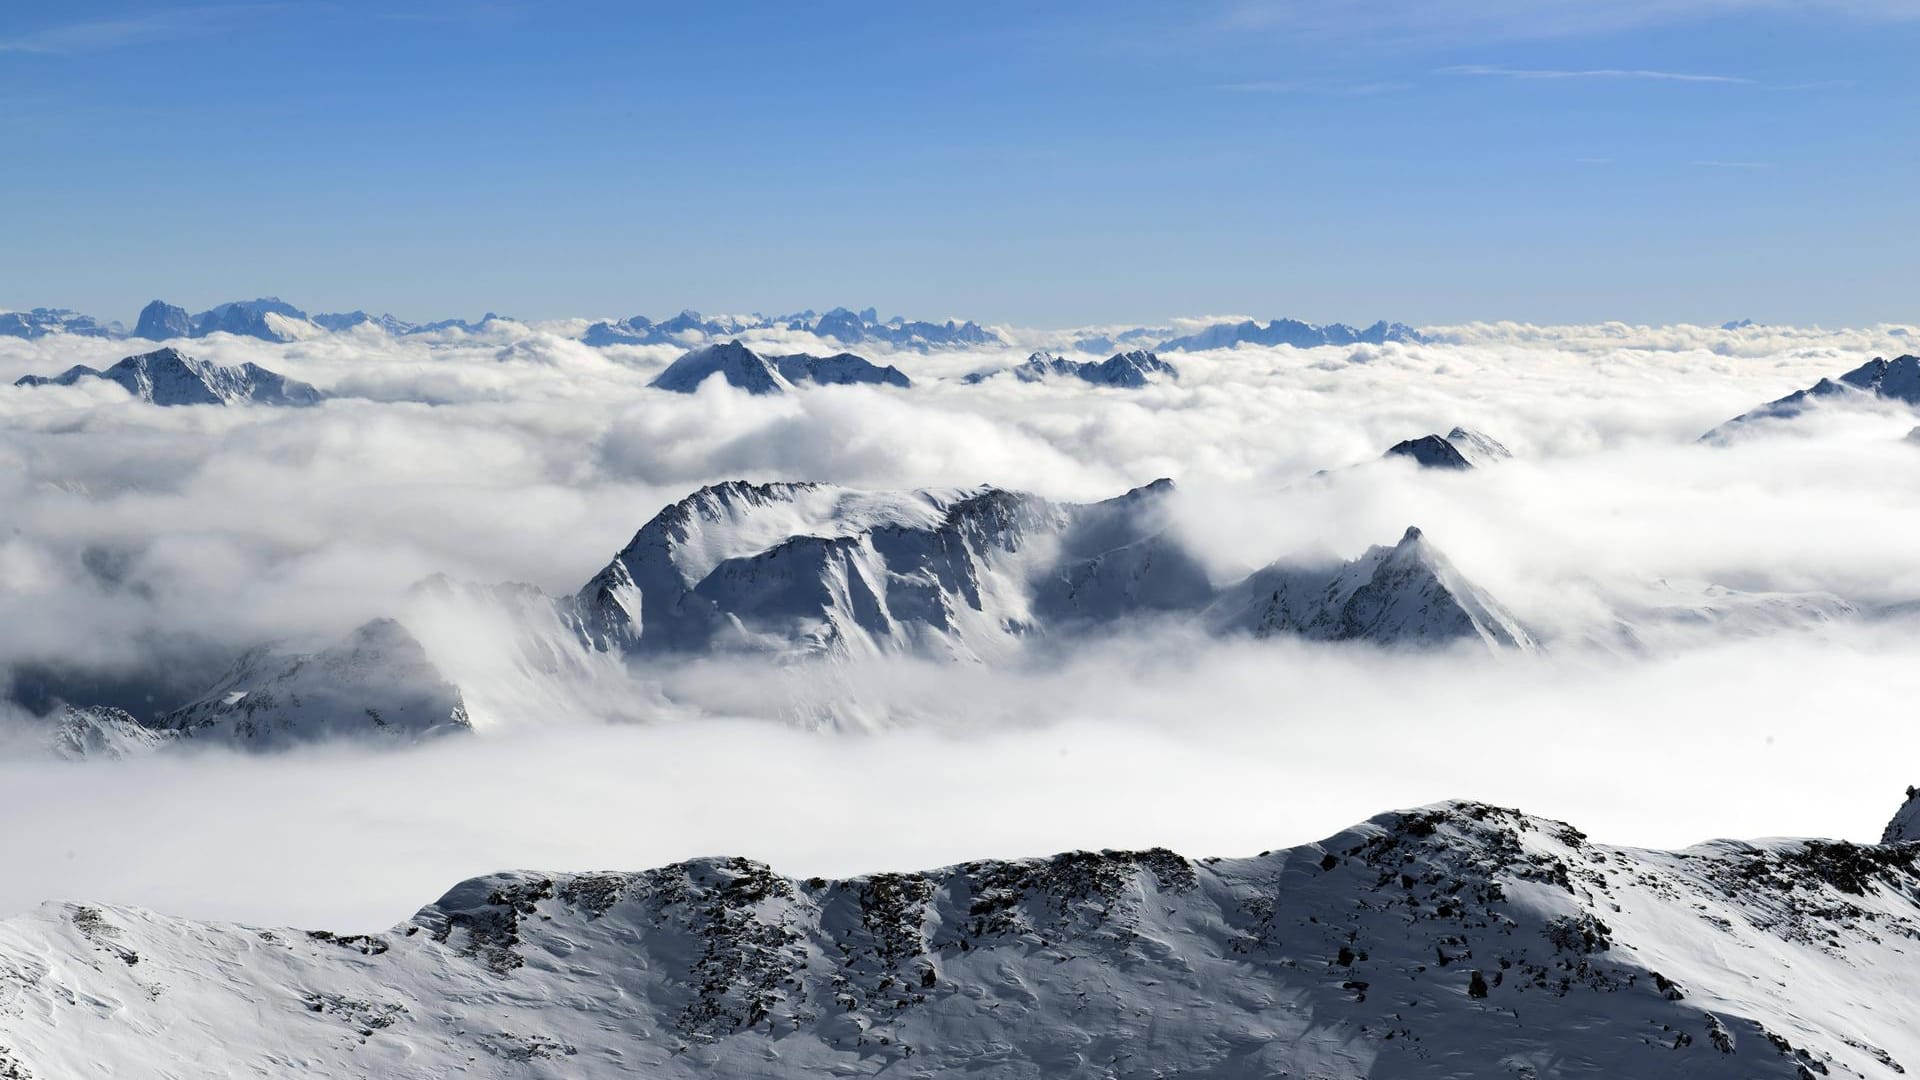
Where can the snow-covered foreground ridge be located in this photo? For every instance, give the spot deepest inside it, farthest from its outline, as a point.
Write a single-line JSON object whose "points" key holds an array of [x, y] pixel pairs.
{"points": [[1459, 940]]}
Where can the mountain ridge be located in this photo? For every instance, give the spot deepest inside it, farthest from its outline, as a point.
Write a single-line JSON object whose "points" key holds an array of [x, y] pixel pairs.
{"points": [[1458, 939]]}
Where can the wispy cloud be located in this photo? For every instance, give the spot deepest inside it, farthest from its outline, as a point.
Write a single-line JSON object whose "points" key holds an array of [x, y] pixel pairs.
{"points": [[101, 34], [1495, 71]]}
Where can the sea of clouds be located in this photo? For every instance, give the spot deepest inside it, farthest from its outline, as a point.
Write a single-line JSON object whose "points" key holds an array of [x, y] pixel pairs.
{"points": [[138, 539]]}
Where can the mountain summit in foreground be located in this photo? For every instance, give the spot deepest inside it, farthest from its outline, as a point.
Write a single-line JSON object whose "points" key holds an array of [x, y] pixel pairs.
{"points": [[1458, 940]]}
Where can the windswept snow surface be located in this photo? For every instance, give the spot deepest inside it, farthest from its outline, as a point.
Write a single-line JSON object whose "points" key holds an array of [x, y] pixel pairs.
{"points": [[1457, 940]]}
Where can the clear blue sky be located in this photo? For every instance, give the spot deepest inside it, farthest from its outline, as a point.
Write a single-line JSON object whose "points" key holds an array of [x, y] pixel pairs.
{"points": [[1031, 162]]}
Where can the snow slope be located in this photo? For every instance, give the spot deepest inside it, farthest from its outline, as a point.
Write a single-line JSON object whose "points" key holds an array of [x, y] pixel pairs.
{"points": [[1458, 941], [1480, 450]]}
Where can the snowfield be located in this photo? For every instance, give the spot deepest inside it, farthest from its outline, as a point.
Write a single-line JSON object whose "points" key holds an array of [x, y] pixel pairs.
{"points": [[1457, 940]]}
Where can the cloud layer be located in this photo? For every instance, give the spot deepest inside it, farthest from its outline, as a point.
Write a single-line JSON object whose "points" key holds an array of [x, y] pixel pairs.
{"points": [[140, 536]]}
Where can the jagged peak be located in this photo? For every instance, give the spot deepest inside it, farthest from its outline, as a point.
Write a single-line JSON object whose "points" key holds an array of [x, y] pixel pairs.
{"points": [[1905, 826]]}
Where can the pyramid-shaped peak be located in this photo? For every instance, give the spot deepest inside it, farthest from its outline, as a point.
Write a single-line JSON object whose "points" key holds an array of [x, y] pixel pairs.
{"points": [[1430, 452], [740, 366]]}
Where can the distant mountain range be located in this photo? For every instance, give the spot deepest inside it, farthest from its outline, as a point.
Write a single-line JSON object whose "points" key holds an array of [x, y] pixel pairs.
{"points": [[1292, 332], [1454, 940], [840, 324], [40, 322], [273, 319]]}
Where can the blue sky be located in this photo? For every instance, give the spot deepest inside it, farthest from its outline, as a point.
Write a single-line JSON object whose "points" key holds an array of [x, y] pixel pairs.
{"points": [[1038, 163]]}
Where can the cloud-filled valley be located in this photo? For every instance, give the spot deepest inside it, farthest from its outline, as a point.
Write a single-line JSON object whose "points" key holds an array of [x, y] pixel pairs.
{"points": [[146, 547]]}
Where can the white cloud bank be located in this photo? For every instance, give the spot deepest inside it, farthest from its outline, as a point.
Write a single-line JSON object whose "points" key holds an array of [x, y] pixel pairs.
{"points": [[134, 534]]}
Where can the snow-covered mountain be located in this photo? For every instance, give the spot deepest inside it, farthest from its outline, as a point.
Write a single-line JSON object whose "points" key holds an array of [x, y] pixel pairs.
{"points": [[793, 572], [161, 321], [851, 329], [101, 733], [268, 318], [1457, 940], [1405, 594], [1429, 452], [819, 569], [1480, 450], [171, 377], [1896, 380], [273, 319], [839, 369], [741, 367], [459, 326], [348, 320], [1131, 370], [1292, 332], [847, 327], [738, 365], [1457, 449], [39, 322], [377, 684]]}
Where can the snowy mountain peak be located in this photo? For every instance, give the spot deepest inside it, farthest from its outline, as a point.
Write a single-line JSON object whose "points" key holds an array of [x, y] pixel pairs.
{"points": [[1478, 448], [1408, 594], [161, 321], [733, 362], [1430, 452], [170, 377]]}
